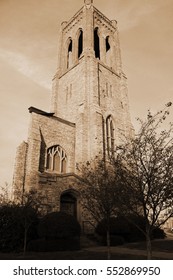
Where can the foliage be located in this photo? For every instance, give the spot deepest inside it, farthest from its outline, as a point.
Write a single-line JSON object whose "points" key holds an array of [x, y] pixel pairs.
{"points": [[158, 233], [58, 225], [18, 222], [4, 194], [12, 226], [99, 195], [100, 192], [118, 226], [128, 228], [144, 168], [57, 231]]}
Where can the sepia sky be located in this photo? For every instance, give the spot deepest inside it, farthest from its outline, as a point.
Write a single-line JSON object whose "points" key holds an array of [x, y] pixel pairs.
{"points": [[28, 59]]}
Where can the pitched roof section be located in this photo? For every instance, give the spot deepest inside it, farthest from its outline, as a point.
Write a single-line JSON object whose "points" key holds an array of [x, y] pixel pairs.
{"points": [[40, 112], [47, 114]]}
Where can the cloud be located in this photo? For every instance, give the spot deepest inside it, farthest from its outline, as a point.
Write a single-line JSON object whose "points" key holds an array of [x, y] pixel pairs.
{"points": [[135, 11], [26, 66]]}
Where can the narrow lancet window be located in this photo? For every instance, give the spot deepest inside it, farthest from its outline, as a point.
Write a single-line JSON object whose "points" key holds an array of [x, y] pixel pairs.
{"points": [[96, 43], [110, 136], [108, 51], [69, 55], [107, 44], [80, 43]]}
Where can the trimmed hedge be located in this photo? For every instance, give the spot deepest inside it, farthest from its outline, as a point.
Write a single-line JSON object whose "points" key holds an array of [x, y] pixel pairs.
{"points": [[119, 226], [158, 233], [58, 225], [57, 231]]}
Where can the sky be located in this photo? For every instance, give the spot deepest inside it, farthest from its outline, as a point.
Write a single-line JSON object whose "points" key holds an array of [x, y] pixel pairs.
{"points": [[29, 35]]}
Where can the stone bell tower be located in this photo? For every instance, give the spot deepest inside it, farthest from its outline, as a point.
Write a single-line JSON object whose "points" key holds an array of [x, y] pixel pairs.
{"points": [[89, 87], [89, 112]]}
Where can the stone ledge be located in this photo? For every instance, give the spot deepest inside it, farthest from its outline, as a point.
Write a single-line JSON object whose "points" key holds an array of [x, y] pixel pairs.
{"points": [[52, 176]]}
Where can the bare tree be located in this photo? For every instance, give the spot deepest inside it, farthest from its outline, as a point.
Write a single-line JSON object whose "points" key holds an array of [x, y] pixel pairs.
{"points": [[100, 193], [5, 195], [144, 168], [29, 212]]}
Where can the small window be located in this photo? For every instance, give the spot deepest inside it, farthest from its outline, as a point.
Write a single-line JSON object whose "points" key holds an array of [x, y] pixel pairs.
{"points": [[80, 43], [107, 44], [56, 159], [108, 51], [70, 46], [69, 55], [110, 136], [96, 43]]}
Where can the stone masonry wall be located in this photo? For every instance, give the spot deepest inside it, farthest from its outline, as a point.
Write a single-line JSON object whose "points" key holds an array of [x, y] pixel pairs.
{"points": [[45, 132], [19, 168], [52, 186], [114, 102]]}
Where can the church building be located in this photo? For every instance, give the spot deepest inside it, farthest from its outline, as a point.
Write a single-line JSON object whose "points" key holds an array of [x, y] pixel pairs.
{"points": [[89, 112]]}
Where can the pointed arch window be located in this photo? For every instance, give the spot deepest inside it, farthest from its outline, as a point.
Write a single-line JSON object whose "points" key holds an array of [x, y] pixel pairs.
{"points": [[108, 51], [110, 136], [80, 43], [56, 159], [69, 53], [96, 43], [107, 44]]}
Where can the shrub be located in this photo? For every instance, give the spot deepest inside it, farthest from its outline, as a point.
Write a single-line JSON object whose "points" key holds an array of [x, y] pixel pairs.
{"points": [[13, 219], [136, 234], [158, 233], [58, 231], [120, 226], [58, 225]]}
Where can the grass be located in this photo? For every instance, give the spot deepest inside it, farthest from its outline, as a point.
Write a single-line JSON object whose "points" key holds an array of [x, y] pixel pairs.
{"points": [[67, 255], [162, 245], [157, 245]]}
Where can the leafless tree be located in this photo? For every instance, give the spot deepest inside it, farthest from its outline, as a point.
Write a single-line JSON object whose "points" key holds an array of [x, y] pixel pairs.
{"points": [[144, 168], [100, 193], [5, 195], [29, 207]]}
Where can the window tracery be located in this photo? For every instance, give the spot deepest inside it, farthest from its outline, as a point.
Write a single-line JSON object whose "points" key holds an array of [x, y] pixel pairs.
{"points": [[56, 159]]}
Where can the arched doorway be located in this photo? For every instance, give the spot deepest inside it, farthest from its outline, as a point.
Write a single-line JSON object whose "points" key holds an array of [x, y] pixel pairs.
{"points": [[68, 203]]}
